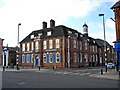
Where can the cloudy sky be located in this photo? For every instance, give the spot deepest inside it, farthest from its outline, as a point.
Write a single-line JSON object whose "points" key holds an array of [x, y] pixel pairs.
{"points": [[71, 13]]}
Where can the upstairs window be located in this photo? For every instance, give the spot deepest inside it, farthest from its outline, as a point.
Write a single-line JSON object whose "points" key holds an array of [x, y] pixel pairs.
{"points": [[32, 36], [49, 33], [50, 44], [80, 45], [85, 45], [45, 44], [23, 47], [74, 43], [32, 46], [28, 46], [36, 45], [57, 43], [75, 57]]}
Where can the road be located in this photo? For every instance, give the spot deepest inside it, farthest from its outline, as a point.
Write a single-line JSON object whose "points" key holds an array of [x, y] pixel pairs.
{"points": [[33, 79]]}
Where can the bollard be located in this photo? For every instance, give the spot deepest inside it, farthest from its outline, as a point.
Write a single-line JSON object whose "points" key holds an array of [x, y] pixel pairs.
{"points": [[106, 68], [119, 74], [3, 68], [53, 67], [101, 71], [39, 68]]}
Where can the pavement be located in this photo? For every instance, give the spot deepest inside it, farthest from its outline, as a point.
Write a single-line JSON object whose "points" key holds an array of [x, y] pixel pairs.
{"points": [[111, 74]]}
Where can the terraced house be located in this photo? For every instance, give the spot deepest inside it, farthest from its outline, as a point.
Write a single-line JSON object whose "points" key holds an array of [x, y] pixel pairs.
{"points": [[61, 46]]}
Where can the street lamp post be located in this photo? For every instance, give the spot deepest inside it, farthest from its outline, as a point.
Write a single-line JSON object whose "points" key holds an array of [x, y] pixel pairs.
{"points": [[104, 40], [18, 47]]}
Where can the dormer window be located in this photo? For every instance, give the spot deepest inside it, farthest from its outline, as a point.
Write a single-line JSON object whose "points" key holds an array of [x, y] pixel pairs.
{"points": [[49, 33], [69, 32], [93, 41], [76, 34], [39, 35], [32, 36], [88, 40], [81, 35]]}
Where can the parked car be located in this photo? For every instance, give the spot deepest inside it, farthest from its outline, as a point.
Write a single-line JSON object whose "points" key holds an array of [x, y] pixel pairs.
{"points": [[111, 65]]}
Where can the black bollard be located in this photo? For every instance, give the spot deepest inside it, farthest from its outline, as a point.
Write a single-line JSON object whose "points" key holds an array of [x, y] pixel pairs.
{"points": [[119, 74], [39, 68], [101, 71], [106, 68], [53, 67], [3, 68]]}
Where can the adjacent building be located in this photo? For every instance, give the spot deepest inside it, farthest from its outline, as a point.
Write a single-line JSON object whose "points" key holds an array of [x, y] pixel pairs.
{"points": [[1, 50], [61, 46]]}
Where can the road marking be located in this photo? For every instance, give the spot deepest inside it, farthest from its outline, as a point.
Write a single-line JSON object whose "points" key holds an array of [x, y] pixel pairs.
{"points": [[21, 83]]}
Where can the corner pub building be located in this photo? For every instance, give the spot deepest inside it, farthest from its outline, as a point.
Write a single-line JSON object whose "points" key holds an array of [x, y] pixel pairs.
{"points": [[61, 46]]}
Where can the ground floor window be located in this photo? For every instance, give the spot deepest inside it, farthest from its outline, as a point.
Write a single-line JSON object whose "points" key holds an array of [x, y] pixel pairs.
{"points": [[57, 57], [44, 57], [80, 57], [75, 59], [51, 59], [28, 58], [23, 60]]}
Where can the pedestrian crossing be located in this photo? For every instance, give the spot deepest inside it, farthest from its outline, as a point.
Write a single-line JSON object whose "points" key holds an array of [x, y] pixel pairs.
{"points": [[71, 73]]}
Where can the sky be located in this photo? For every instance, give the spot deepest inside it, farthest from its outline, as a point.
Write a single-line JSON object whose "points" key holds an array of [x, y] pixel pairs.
{"points": [[71, 13]]}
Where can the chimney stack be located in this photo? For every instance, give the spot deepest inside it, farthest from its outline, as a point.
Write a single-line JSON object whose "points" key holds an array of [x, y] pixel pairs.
{"points": [[52, 23], [44, 24]]}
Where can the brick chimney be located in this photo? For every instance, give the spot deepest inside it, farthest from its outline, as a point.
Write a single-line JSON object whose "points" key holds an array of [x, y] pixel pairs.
{"points": [[52, 23], [44, 24]]}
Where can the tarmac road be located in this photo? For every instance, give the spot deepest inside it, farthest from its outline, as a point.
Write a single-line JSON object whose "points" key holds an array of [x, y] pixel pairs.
{"points": [[32, 79]]}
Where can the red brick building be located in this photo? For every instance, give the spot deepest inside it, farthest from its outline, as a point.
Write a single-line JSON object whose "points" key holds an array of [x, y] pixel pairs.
{"points": [[61, 46]]}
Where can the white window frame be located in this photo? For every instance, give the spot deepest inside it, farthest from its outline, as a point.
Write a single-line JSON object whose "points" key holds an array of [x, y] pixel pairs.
{"points": [[32, 36], [74, 43], [49, 33], [50, 58], [36, 45], [23, 47], [27, 58], [23, 58], [50, 44], [31, 58], [45, 44], [80, 45], [86, 57], [80, 57], [86, 45], [93, 48], [58, 58], [44, 58], [57, 43], [32, 46], [75, 57], [96, 58], [28, 46]]}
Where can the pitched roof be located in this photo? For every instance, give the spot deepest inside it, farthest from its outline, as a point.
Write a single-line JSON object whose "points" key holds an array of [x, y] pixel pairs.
{"points": [[116, 5], [100, 42], [57, 31]]}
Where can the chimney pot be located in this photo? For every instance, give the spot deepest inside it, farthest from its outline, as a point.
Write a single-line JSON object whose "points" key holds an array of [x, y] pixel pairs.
{"points": [[44, 24], [52, 23]]}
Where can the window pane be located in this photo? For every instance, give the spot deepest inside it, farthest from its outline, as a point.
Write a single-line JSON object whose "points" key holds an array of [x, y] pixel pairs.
{"points": [[44, 57], [57, 43], [44, 45], [50, 58], [58, 57]]}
